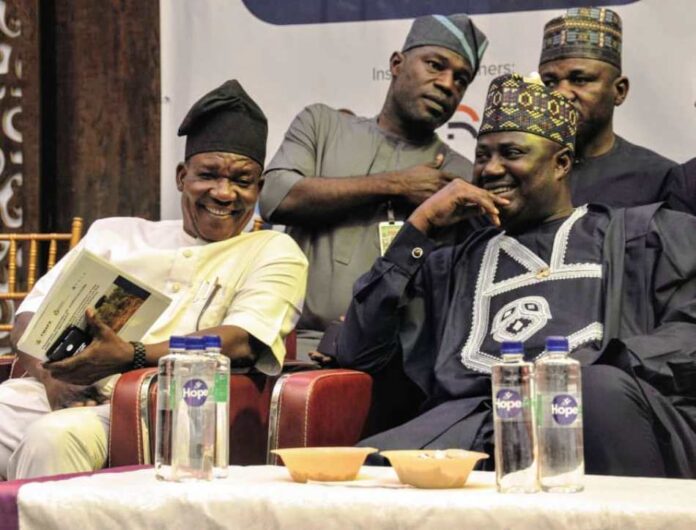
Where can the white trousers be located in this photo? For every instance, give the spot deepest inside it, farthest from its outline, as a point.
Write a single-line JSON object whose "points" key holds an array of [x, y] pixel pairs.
{"points": [[34, 441]]}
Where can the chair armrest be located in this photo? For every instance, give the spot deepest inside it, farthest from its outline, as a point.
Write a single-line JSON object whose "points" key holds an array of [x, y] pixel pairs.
{"points": [[319, 408], [134, 413], [131, 418]]}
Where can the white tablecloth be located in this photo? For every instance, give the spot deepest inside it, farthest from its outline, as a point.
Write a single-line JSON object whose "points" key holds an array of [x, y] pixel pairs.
{"points": [[265, 497]]}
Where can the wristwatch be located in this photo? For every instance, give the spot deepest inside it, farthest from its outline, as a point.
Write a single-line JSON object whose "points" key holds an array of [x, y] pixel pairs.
{"points": [[138, 355]]}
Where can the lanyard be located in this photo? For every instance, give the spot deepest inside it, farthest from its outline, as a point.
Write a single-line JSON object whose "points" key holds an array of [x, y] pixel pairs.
{"points": [[390, 213]]}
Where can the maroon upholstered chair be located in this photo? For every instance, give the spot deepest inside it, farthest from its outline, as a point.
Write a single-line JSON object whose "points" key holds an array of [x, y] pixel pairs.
{"points": [[319, 408], [338, 407], [134, 408], [301, 408], [133, 417]]}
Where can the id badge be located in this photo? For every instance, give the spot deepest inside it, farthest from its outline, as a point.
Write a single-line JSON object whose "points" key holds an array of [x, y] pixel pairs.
{"points": [[387, 233]]}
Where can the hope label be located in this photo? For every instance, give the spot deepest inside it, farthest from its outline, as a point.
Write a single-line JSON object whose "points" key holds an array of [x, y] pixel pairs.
{"points": [[508, 403], [564, 409], [195, 392]]}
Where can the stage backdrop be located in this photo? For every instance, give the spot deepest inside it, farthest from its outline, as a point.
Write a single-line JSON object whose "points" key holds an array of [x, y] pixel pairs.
{"points": [[291, 53]]}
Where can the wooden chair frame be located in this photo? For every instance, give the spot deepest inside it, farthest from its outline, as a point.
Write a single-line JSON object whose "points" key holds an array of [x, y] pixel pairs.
{"points": [[73, 237]]}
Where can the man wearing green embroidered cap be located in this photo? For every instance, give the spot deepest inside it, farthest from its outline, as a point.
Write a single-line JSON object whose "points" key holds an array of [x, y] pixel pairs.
{"points": [[342, 183], [618, 284], [581, 57]]}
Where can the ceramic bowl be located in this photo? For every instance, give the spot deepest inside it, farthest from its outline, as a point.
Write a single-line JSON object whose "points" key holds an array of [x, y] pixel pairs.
{"points": [[434, 469], [329, 464]]}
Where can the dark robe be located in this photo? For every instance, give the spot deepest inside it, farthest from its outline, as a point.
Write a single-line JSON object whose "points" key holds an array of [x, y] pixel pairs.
{"points": [[628, 175], [416, 307], [680, 190]]}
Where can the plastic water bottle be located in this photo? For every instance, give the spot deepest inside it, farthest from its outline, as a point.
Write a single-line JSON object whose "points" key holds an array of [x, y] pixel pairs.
{"points": [[221, 395], [513, 413], [193, 429], [165, 405], [561, 460]]}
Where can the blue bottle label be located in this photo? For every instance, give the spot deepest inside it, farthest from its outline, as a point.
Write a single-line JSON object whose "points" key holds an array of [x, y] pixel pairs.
{"points": [[509, 404], [195, 392], [560, 410], [564, 409]]}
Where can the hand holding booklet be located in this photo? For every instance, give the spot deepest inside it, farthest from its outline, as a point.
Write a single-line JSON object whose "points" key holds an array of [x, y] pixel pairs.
{"points": [[58, 329]]}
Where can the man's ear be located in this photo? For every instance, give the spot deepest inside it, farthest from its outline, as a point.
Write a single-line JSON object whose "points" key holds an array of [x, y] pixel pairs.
{"points": [[180, 174], [395, 62], [261, 182], [563, 162], [621, 86]]}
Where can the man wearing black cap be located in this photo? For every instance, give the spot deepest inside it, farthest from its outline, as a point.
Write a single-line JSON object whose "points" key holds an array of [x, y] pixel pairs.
{"points": [[616, 283], [581, 58], [343, 184], [245, 287]]}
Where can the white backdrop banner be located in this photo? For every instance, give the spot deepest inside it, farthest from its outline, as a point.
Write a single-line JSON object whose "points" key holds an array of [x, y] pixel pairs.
{"points": [[290, 53]]}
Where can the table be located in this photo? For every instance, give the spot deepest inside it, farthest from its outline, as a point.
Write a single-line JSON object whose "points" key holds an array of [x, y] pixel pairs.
{"points": [[265, 497]]}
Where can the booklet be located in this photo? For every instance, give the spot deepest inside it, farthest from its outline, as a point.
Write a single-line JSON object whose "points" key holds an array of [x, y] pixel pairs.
{"points": [[125, 304]]}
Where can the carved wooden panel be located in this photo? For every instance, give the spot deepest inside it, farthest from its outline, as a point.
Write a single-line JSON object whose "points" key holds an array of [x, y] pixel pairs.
{"points": [[20, 128], [92, 68]]}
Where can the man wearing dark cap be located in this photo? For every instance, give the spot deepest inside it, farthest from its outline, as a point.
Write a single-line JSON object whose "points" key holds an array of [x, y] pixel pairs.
{"points": [[245, 287], [616, 283], [344, 184], [581, 58]]}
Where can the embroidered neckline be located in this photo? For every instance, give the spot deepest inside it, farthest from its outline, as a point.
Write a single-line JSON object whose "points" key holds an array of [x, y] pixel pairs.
{"points": [[538, 271]]}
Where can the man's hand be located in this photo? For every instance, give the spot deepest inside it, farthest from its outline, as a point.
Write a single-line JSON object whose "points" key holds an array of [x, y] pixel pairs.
{"points": [[107, 354], [64, 395], [455, 202], [418, 183], [323, 360]]}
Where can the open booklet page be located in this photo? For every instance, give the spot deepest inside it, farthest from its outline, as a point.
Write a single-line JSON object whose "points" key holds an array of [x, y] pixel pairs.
{"points": [[125, 304]]}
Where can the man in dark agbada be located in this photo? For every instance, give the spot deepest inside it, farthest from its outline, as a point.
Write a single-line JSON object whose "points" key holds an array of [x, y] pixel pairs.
{"points": [[581, 57], [619, 284]]}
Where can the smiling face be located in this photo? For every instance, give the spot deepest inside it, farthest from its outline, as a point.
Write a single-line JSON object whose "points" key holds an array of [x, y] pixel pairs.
{"points": [[428, 83], [594, 87], [529, 171], [218, 194]]}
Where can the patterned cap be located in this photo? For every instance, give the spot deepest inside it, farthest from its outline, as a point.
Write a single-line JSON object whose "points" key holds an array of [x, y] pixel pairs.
{"points": [[583, 32], [454, 32], [516, 103]]}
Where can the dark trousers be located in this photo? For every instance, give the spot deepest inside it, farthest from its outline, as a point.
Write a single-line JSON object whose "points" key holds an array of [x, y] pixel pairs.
{"points": [[622, 432]]}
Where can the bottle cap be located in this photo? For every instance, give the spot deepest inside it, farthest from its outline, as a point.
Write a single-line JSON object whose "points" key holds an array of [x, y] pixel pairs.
{"points": [[212, 341], [511, 346], [557, 344], [195, 343], [177, 343]]}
